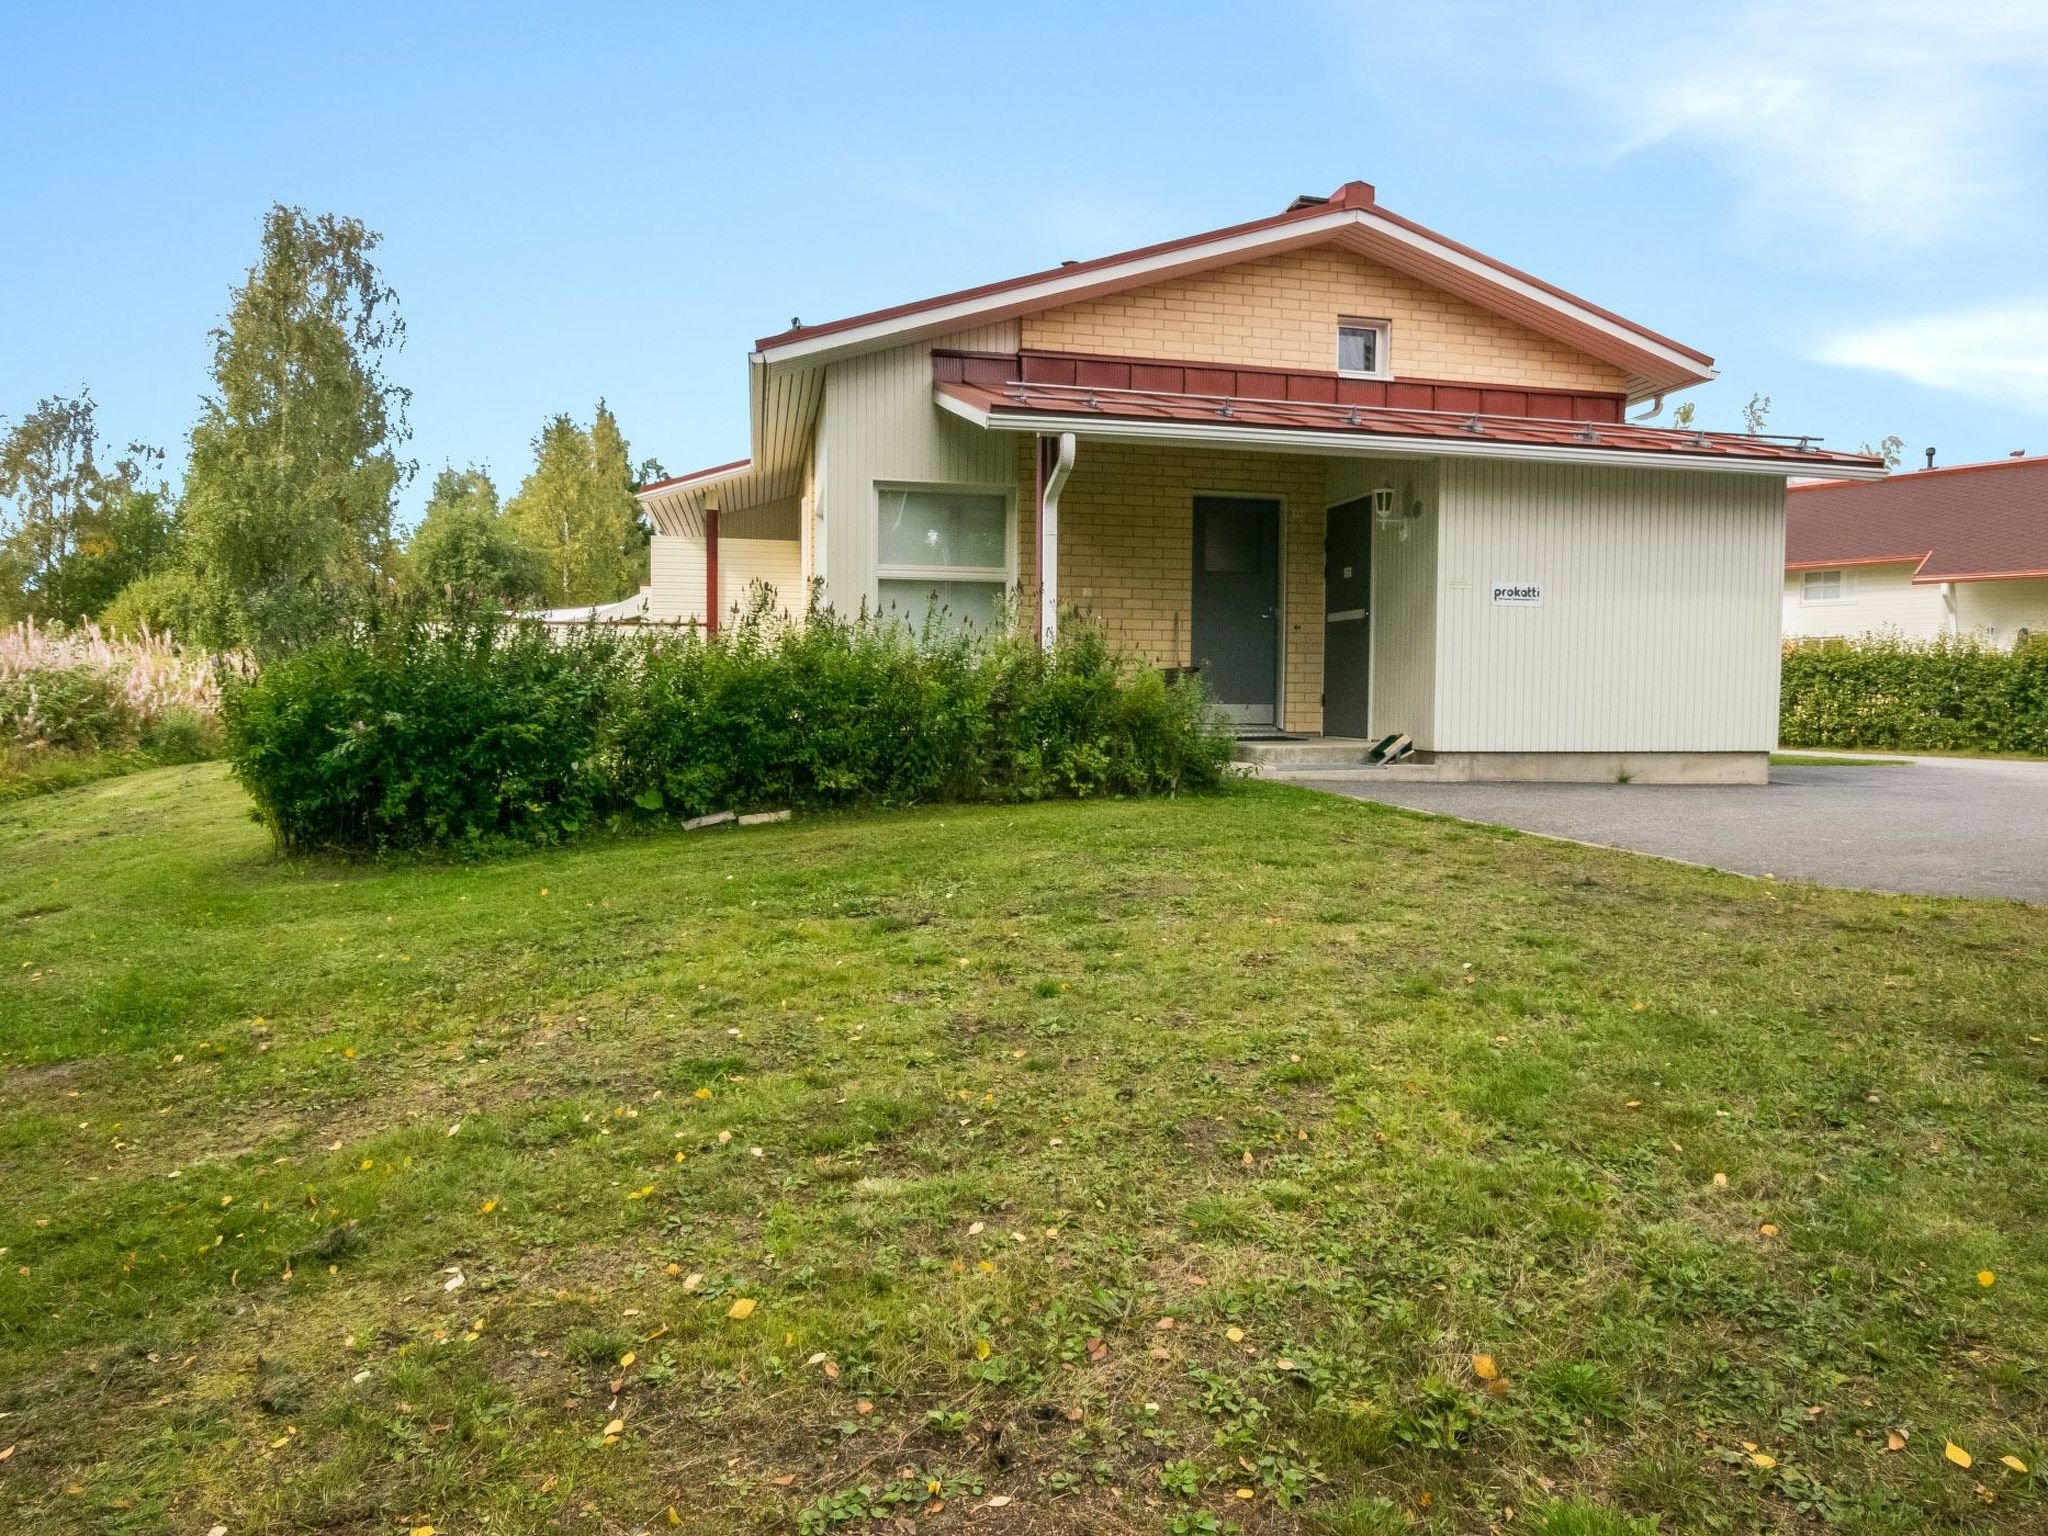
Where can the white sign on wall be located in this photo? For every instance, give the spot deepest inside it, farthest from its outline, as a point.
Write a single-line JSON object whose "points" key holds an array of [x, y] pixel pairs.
{"points": [[1517, 594]]}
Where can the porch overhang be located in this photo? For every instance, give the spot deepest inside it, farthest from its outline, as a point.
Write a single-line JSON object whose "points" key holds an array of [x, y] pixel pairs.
{"points": [[1290, 426]]}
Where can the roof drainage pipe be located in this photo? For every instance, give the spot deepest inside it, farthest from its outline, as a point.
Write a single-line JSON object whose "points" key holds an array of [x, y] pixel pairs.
{"points": [[1054, 480]]}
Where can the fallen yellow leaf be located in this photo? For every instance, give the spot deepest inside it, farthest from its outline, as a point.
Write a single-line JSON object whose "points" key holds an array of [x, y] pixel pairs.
{"points": [[1484, 1368], [626, 1359], [1235, 1335], [2015, 1463], [741, 1309], [1894, 1441], [1986, 1277], [1762, 1460], [1956, 1454], [616, 1427], [1769, 1229], [487, 1207]]}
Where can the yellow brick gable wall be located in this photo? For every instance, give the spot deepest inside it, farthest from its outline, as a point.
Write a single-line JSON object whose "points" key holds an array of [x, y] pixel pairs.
{"points": [[1281, 312], [1127, 551]]}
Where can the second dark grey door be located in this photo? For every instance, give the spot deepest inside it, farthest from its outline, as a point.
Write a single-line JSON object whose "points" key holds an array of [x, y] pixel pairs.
{"points": [[1235, 627], [1347, 620]]}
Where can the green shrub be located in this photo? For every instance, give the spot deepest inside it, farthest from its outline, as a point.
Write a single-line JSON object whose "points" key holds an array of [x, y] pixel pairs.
{"points": [[411, 733], [66, 709], [1897, 695]]}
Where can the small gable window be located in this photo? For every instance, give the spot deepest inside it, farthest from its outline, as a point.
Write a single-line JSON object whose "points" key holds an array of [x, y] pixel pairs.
{"points": [[1362, 347], [1824, 587]]}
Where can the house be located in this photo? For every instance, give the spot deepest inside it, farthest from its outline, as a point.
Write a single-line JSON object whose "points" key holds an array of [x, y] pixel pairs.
{"points": [[1961, 550], [1365, 478]]}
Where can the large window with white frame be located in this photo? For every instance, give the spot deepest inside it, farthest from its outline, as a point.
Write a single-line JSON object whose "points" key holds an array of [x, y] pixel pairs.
{"points": [[1362, 347], [943, 548], [1824, 587]]}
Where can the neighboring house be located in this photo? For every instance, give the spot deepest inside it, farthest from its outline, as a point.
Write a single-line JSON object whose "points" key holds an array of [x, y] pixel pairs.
{"points": [[1961, 550], [1366, 478]]}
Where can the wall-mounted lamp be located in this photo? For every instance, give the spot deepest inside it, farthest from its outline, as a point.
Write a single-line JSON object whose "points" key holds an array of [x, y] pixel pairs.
{"points": [[1387, 511]]}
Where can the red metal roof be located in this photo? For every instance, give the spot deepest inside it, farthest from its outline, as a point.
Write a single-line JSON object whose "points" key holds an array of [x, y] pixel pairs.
{"points": [[1968, 522], [1352, 195], [1021, 402], [696, 474], [1251, 381]]}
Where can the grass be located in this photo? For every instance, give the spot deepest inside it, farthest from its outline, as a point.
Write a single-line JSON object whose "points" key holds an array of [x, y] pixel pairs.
{"points": [[810, 1176], [29, 771]]}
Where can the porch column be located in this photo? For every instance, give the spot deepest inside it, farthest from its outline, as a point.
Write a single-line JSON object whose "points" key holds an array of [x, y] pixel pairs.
{"points": [[711, 566], [1055, 463]]}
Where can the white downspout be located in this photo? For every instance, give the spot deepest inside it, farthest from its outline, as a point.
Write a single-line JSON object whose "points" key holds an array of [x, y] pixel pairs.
{"points": [[1948, 609], [1049, 541]]}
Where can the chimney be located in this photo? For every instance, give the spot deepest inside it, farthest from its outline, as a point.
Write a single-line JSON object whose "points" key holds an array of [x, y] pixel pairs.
{"points": [[1930, 458]]}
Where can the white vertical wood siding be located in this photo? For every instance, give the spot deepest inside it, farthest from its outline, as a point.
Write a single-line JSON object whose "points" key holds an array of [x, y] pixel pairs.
{"points": [[677, 575], [1404, 600], [1658, 627], [1875, 597], [878, 422]]}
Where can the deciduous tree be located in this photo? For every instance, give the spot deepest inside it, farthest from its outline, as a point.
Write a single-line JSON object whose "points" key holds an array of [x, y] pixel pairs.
{"points": [[466, 550], [577, 510], [76, 523], [294, 463]]}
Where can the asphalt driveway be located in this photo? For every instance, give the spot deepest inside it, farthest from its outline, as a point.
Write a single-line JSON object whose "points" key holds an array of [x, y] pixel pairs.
{"points": [[1928, 826]]}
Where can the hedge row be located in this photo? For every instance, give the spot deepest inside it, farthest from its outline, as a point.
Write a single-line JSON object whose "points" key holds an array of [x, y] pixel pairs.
{"points": [[1897, 695], [416, 733]]}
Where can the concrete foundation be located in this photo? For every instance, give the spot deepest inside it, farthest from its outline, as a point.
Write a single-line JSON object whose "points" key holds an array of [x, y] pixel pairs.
{"points": [[1337, 756]]}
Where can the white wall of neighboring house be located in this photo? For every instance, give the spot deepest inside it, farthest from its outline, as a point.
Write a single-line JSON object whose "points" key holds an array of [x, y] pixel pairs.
{"points": [[677, 575], [1885, 597], [1873, 597], [1999, 610]]}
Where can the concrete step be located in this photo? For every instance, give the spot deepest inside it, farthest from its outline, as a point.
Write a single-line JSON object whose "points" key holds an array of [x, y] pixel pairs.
{"points": [[1409, 772], [1306, 752]]}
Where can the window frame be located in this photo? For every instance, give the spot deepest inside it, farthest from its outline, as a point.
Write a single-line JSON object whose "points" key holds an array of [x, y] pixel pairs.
{"points": [[1383, 346], [1808, 588], [1005, 576]]}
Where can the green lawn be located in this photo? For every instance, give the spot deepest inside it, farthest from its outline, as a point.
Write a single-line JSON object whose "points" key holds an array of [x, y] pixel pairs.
{"points": [[785, 1177]]}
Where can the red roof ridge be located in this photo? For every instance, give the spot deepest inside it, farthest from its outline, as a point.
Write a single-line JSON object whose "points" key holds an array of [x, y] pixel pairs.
{"points": [[1353, 196], [2009, 462]]}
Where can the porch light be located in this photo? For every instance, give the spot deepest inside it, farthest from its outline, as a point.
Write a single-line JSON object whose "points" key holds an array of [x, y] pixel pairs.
{"points": [[1387, 511]]}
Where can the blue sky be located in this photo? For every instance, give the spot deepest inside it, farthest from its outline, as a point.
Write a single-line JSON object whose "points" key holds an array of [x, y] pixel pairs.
{"points": [[1844, 203]]}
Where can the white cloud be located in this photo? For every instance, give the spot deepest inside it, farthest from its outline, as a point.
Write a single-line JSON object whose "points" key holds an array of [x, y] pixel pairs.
{"points": [[1845, 121], [1992, 352], [1897, 119]]}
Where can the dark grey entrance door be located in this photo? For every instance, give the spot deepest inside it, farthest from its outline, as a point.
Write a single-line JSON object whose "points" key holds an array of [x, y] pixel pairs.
{"points": [[1347, 619], [1236, 623]]}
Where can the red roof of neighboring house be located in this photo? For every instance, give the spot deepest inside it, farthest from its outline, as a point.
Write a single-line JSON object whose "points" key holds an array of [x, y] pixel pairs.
{"points": [[1078, 405], [1968, 522]]}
